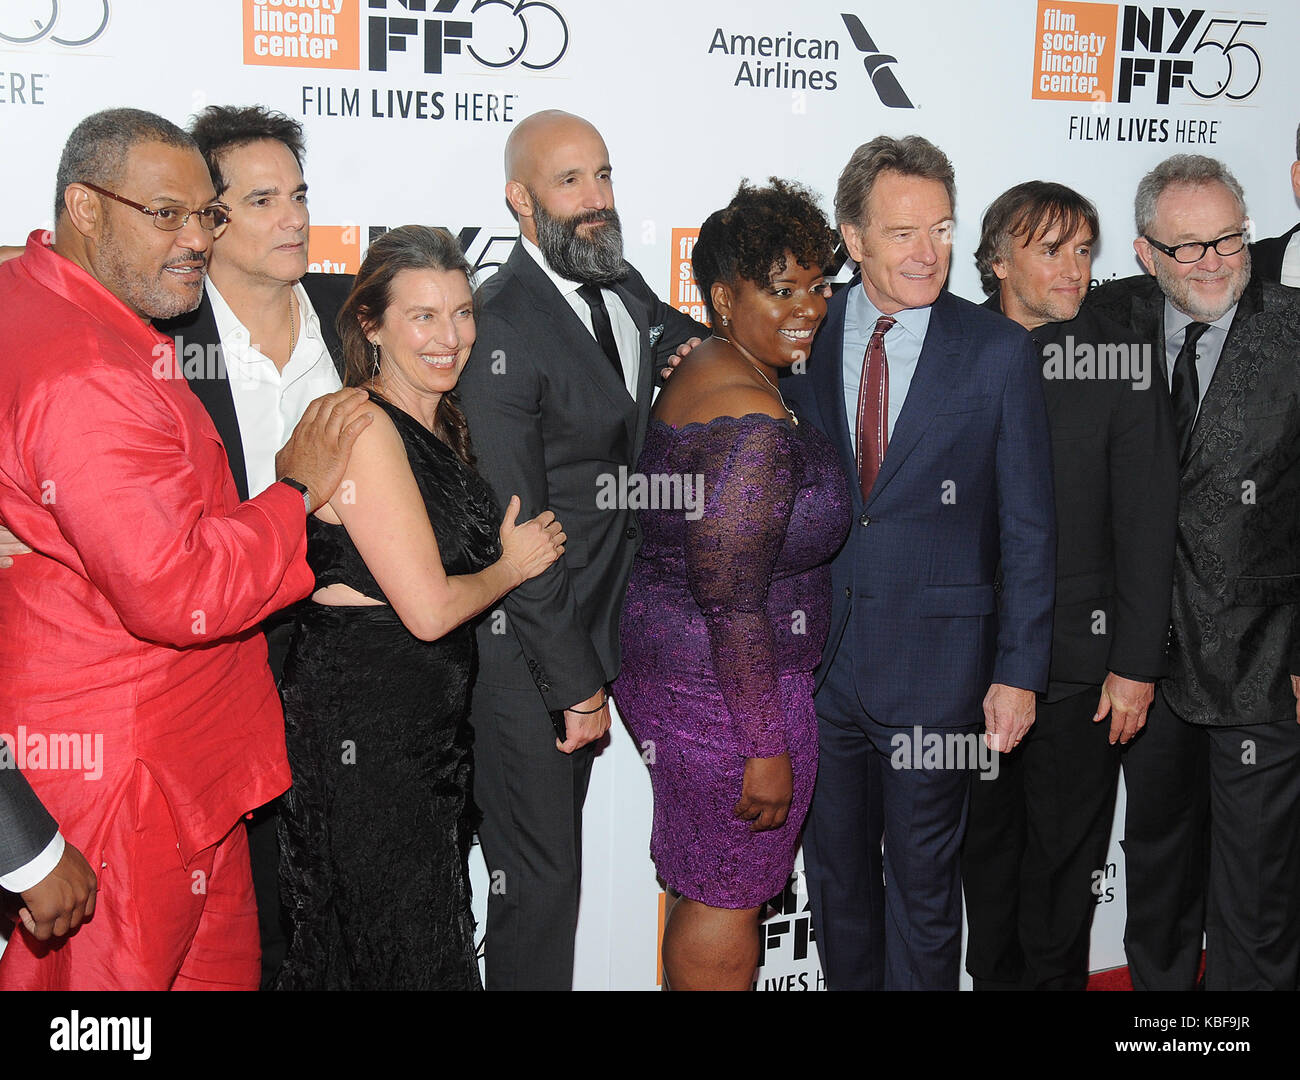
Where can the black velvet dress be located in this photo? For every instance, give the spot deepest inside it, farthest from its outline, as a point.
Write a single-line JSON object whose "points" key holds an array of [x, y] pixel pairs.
{"points": [[375, 831]]}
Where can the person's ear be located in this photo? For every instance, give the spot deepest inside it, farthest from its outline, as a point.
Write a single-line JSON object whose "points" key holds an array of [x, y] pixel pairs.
{"points": [[85, 210]]}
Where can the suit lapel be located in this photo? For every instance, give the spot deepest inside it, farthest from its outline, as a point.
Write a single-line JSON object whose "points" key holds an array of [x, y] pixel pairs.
{"points": [[1149, 322], [645, 369], [934, 376], [1237, 368], [827, 362], [212, 387], [585, 350], [326, 304]]}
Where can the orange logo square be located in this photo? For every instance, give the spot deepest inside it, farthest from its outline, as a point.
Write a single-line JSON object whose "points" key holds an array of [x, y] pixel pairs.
{"points": [[1074, 51], [683, 293], [334, 249], [279, 35]]}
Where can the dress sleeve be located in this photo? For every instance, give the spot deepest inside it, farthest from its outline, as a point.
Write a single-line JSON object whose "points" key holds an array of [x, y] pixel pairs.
{"points": [[751, 476]]}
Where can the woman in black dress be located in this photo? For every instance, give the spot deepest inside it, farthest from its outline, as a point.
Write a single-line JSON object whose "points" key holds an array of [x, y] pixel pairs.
{"points": [[375, 830]]}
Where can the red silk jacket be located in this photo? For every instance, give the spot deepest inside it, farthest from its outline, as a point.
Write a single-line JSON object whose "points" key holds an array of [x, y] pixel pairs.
{"points": [[135, 621]]}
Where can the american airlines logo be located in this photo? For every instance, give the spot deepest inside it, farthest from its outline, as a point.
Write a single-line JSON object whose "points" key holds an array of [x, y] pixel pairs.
{"points": [[879, 66]]}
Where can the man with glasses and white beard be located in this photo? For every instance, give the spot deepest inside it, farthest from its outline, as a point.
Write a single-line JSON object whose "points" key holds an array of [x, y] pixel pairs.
{"points": [[1221, 750], [557, 394]]}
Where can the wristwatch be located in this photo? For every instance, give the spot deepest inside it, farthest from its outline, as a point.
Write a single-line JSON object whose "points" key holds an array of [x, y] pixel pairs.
{"points": [[299, 487]]}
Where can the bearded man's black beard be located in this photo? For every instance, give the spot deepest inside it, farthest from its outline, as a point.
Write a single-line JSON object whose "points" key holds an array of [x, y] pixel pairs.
{"points": [[594, 261]]}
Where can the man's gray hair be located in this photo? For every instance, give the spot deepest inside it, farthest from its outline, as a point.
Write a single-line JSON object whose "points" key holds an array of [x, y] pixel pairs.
{"points": [[1192, 170], [910, 156], [1297, 142], [97, 149]]}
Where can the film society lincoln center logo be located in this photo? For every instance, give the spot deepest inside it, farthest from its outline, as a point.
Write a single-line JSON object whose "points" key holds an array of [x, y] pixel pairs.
{"points": [[1134, 53], [429, 36]]}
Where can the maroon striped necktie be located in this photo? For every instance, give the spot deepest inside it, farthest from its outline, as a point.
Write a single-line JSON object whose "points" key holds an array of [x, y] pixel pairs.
{"points": [[873, 408]]}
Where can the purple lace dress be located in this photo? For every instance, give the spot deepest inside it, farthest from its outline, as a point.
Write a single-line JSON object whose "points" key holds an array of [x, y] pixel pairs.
{"points": [[724, 622]]}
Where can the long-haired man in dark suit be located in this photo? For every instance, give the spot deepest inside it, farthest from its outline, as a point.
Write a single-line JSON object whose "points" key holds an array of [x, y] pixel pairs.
{"points": [[1038, 829], [1221, 750]]}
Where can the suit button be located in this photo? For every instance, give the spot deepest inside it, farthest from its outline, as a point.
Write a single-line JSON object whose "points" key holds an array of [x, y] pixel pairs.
{"points": [[631, 532], [864, 520], [848, 592]]}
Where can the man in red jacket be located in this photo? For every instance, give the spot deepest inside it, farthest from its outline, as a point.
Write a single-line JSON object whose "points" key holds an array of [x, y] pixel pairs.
{"points": [[133, 679]]}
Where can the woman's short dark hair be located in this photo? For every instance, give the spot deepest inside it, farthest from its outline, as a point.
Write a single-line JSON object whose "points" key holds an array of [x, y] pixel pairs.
{"points": [[1026, 212], [750, 236], [411, 247]]}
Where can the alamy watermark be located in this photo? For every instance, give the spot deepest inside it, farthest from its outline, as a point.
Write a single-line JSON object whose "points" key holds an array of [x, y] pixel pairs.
{"points": [[947, 750], [627, 490], [68, 751], [1122, 361]]}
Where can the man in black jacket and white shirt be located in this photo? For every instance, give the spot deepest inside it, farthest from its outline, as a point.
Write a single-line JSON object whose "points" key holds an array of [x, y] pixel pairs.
{"points": [[259, 348], [1278, 257]]}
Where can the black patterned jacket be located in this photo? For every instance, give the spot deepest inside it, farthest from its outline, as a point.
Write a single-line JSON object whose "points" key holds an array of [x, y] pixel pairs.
{"points": [[1235, 633]]}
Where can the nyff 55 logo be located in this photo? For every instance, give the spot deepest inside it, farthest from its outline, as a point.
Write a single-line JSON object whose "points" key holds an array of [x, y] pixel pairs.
{"points": [[1166, 54], [408, 35]]}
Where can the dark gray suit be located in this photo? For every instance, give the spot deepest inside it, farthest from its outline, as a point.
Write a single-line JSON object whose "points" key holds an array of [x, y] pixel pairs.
{"points": [[549, 417], [26, 827]]}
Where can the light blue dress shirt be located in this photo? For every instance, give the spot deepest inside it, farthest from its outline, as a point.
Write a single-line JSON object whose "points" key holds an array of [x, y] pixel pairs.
{"points": [[903, 343]]}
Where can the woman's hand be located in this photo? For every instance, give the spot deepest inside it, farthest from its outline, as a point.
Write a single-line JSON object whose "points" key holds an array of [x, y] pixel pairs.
{"points": [[766, 792], [531, 547]]}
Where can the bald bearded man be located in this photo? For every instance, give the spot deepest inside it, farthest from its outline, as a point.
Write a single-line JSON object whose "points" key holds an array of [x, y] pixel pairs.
{"points": [[557, 394]]}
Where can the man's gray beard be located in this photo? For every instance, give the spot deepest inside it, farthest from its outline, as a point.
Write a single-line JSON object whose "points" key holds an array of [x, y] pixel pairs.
{"points": [[150, 297], [1180, 293], [597, 261]]}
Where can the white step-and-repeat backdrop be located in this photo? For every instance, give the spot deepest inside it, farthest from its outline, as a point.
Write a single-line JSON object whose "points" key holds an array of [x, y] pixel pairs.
{"points": [[407, 104]]}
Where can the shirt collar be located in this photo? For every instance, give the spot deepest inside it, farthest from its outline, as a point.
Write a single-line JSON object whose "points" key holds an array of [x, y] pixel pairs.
{"points": [[567, 288], [230, 328], [65, 278], [915, 321], [1176, 321]]}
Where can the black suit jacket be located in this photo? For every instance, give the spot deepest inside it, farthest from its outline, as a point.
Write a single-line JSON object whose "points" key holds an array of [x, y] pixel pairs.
{"points": [[549, 418], [26, 827], [1115, 474], [1236, 603], [200, 356], [1266, 256]]}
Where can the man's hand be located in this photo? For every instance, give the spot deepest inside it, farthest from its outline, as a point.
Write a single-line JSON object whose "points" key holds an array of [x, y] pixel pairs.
{"points": [[585, 726], [10, 251], [1127, 702], [1008, 715], [1295, 689], [765, 792], [57, 904], [683, 350], [10, 545], [318, 450]]}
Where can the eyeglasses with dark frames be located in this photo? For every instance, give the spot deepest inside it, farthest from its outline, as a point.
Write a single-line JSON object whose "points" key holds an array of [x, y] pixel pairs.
{"points": [[173, 218], [1194, 251]]}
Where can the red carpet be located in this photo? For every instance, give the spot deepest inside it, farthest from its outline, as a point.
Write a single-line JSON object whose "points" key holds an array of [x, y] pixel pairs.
{"points": [[1118, 979], [1110, 979]]}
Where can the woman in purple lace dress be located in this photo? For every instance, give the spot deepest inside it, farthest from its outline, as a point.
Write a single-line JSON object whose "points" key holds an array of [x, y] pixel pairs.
{"points": [[729, 601]]}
